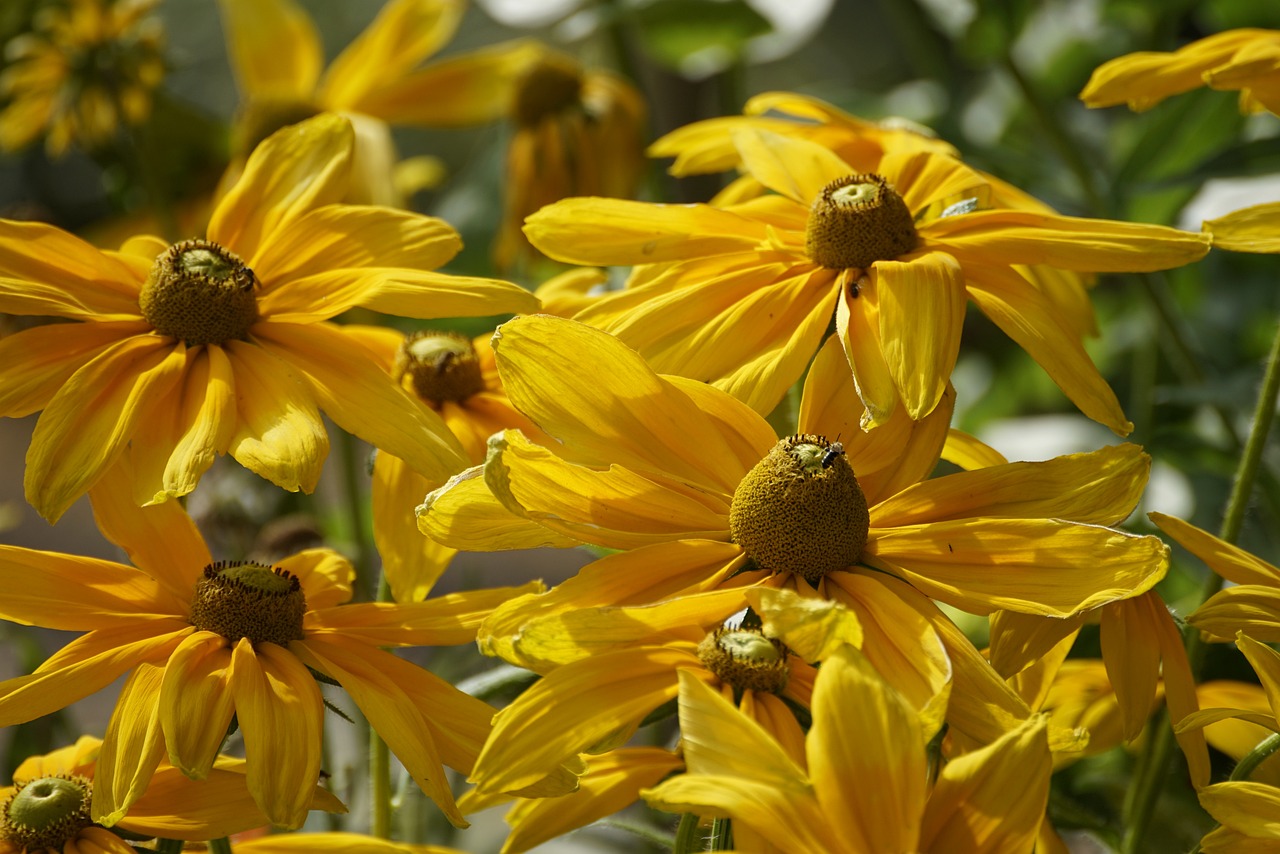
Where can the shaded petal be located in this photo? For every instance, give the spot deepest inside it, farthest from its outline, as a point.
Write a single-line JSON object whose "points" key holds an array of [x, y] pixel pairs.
{"points": [[92, 417], [1036, 566], [921, 313], [1131, 650], [196, 702], [295, 170], [1247, 807], [929, 181], [46, 271], [812, 628], [459, 724], [794, 167], [747, 436], [281, 716], [132, 748], [1266, 663], [274, 47], [362, 399], [1249, 608], [969, 453], [73, 593], [858, 325], [42, 359], [1020, 640], [409, 293], [464, 514], [411, 562], [1231, 562]]}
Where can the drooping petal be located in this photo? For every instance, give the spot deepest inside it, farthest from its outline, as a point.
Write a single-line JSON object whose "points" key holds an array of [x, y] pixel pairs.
{"points": [[812, 628], [46, 271], [1247, 807], [970, 453], [281, 716], [465, 514], [196, 702], [1231, 562], [794, 167], [858, 325], [275, 49], [748, 437], [362, 399], [43, 358], [73, 593], [132, 748], [1131, 650], [1266, 663]]}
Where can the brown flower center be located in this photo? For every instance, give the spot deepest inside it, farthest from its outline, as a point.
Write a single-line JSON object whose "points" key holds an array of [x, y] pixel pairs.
{"points": [[46, 813], [249, 600], [200, 293], [856, 221], [440, 365], [800, 509], [745, 659], [553, 84]]}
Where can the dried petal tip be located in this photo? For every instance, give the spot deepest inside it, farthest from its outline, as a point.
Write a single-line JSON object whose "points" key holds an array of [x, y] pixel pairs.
{"points": [[856, 221]]}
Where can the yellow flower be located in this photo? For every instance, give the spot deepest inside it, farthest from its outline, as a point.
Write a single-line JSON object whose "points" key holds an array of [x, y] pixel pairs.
{"points": [[223, 345], [673, 471], [1243, 60], [577, 133], [376, 81], [85, 68], [865, 787], [203, 641], [743, 295]]}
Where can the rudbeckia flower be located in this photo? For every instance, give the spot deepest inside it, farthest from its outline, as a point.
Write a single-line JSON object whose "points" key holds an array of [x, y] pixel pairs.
{"points": [[695, 487], [577, 133], [742, 295], [203, 641], [1244, 60], [87, 67], [223, 344], [863, 784], [46, 809], [377, 81]]}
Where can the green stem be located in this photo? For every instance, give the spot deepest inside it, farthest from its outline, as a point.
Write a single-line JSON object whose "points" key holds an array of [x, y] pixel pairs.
{"points": [[1141, 808], [686, 835], [169, 846], [220, 846], [721, 834], [1246, 766]]}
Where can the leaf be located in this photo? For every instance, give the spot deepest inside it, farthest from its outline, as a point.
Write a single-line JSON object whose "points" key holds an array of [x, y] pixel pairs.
{"points": [[698, 37]]}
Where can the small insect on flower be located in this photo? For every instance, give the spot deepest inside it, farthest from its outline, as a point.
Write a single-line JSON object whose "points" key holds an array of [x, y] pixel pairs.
{"points": [[834, 450]]}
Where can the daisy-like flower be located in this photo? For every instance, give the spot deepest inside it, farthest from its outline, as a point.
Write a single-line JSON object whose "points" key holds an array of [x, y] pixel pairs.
{"points": [[577, 133], [698, 490], [203, 641], [378, 81], [46, 809], [223, 344], [742, 296], [863, 784], [86, 67], [1247, 61]]}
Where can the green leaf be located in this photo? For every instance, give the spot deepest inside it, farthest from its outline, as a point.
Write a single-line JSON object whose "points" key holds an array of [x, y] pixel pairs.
{"points": [[685, 34]]}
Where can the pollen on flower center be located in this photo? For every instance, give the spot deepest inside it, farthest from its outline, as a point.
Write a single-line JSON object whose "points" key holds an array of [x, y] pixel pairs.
{"points": [[856, 221], [249, 600], [745, 659], [440, 365], [46, 813], [800, 509], [551, 85], [200, 293]]}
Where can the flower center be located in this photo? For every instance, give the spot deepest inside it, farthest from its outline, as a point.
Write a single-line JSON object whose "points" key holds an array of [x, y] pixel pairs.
{"points": [[46, 813], [800, 509], [745, 659], [857, 220], [551, 85], [200, 293], [441, 365], [249, 600]]}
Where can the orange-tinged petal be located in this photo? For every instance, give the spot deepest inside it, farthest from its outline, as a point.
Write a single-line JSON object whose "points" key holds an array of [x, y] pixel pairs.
{"points": [[337, 843], [596, 231], [92, 417], [1036, 566], [325, 576], [411, 563], [921, 313], [858, 325], [787, 821], [374, 680], [363, 399], [295, 170], [46, 271], [97, 840], [1253, 229], [281, 716], [279, 434], [196, 702], [794, 167], [275, 49], [1231, 562], [73, 593], [1031, 320], [132, 748], [404, 33], [1101, 487], [410, 293], [42, 359], [1249, 608], [459, 724], [464, 514]]}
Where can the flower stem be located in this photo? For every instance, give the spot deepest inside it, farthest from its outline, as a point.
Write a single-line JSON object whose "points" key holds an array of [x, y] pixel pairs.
{"points": [[1246, 766], [169, 846], [686, 835], [221, 845], [1153, 769]]}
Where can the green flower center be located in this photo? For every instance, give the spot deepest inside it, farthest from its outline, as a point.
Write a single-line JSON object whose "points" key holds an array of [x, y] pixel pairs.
{"points": [[745, 659], [46, 813], [440, 365], [200, 293], [800, 509], [551, 85], [856, 221], [249, 600]]}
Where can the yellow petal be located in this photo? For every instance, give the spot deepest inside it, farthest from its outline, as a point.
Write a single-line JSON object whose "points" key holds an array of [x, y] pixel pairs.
{"points": [[44, 270], [464, 514], [404, 33], [1253, 229], [796, 168], [295, 170], [858, 325], [1231, 562], [42, 359], [281, 718], [969, 453], [1266, 663], [1249, 608], [132, 749], [1247, 807], [325, 576], [929, 182], [74, 593], [275, 49], [1131, 649], [196, 702], [411, 563], [812, 628], [1020, 640]]}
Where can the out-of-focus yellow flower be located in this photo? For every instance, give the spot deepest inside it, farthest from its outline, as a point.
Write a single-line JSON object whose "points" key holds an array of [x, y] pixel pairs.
{"points": [[577, 133], [1247, 812], [1243, 60], [53, 814], [224, 345], [376, 82], [83, 70], [203, 641]]}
